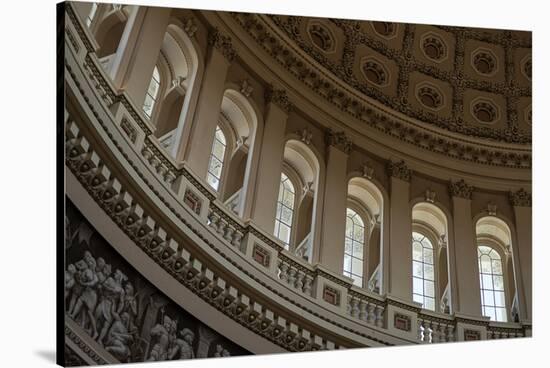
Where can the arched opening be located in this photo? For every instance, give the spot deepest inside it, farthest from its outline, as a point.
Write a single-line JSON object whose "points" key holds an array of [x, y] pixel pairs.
{"points": [[179, 60], [302, 168], [365, 199], [430, 267], [241, 121], [496, 273]]}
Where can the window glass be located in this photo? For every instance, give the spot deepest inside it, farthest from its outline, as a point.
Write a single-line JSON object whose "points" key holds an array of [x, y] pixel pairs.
{"points": [[152, 92], [423, 271], [285, 210], [215, 166], [491, 278], [354, 249]]}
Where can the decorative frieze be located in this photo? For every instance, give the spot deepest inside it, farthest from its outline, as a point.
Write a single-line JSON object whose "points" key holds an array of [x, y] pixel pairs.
{"points": [[222, 43], [520, 198], [399, 170], [339, 140], [279, 97], [460, 189]]}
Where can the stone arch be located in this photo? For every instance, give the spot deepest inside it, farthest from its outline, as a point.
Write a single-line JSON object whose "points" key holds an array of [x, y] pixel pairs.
{"points": [[182, 58], [371, 200], [306, 161], [432, 221]]}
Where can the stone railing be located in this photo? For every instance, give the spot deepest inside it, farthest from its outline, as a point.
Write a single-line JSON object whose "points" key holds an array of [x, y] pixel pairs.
{"points": [[367, 313]]}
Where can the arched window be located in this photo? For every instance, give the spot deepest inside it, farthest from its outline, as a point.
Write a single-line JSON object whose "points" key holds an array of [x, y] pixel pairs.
{"points": [[423, 271], [215, 165], [354, 249], [91, 15], [152, 92], [285, 210], [491, 280]]}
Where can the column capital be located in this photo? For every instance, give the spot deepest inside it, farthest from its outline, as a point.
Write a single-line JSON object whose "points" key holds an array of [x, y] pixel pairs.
{"points": [[399, 170], [222, 43], [520, 198], [339, 140], [279, 97], [460, 189]]}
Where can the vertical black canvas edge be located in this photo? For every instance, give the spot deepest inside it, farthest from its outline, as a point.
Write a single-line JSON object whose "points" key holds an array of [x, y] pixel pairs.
{"points": [[60, 184]]}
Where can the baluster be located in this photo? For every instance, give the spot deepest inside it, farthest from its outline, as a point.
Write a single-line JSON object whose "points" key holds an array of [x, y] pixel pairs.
{"points": [[371, 318], [363, 310], [292, 276], [354, 307], [222, 223], [237, 237], [379, 316], [300, 280], [161, 170], [450, 333], [229, 230], [307, 284], [284, 269], [214, 218], [348, 305], [420, 330], [435, 332]]}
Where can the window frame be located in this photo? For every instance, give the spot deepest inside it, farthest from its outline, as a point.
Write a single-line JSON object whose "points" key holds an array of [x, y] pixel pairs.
{"points": [[502, 251], [296, 181], [366, 217], [229, 146], [160, 94], [429, 233]]}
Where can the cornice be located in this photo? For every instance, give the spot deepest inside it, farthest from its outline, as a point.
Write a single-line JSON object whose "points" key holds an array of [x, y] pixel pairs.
{"points": [[520, 198], [460, 189]]}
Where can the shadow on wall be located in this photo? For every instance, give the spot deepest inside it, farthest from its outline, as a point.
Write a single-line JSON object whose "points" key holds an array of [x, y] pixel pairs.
{"points": [[122, 311]]}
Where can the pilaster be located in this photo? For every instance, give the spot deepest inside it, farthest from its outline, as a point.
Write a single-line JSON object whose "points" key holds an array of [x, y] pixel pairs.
{"points": [[463, 262], [271, 159], [221, 54], [522, 251], [400, 245], [335, 201]]}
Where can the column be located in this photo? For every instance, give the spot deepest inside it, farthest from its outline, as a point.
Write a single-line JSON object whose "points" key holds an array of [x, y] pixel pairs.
{"points": [[137, 53], [221, 54], [333, 223], [399, 253], [373, 255], [522, 251], [463, 262], [271, 159]]}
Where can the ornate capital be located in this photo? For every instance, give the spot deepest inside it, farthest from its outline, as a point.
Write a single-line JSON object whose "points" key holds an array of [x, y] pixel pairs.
{"points": [[279, 97], [222, 43], [520, 198], [399, 170], [461, 189], [339, 140]]}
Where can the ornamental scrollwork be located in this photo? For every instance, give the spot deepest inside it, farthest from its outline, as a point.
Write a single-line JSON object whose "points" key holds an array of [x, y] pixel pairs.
{"points": [[520, 198], [279, 97], [222, 43], [399, 170], [339, 140], [460, 189]]}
